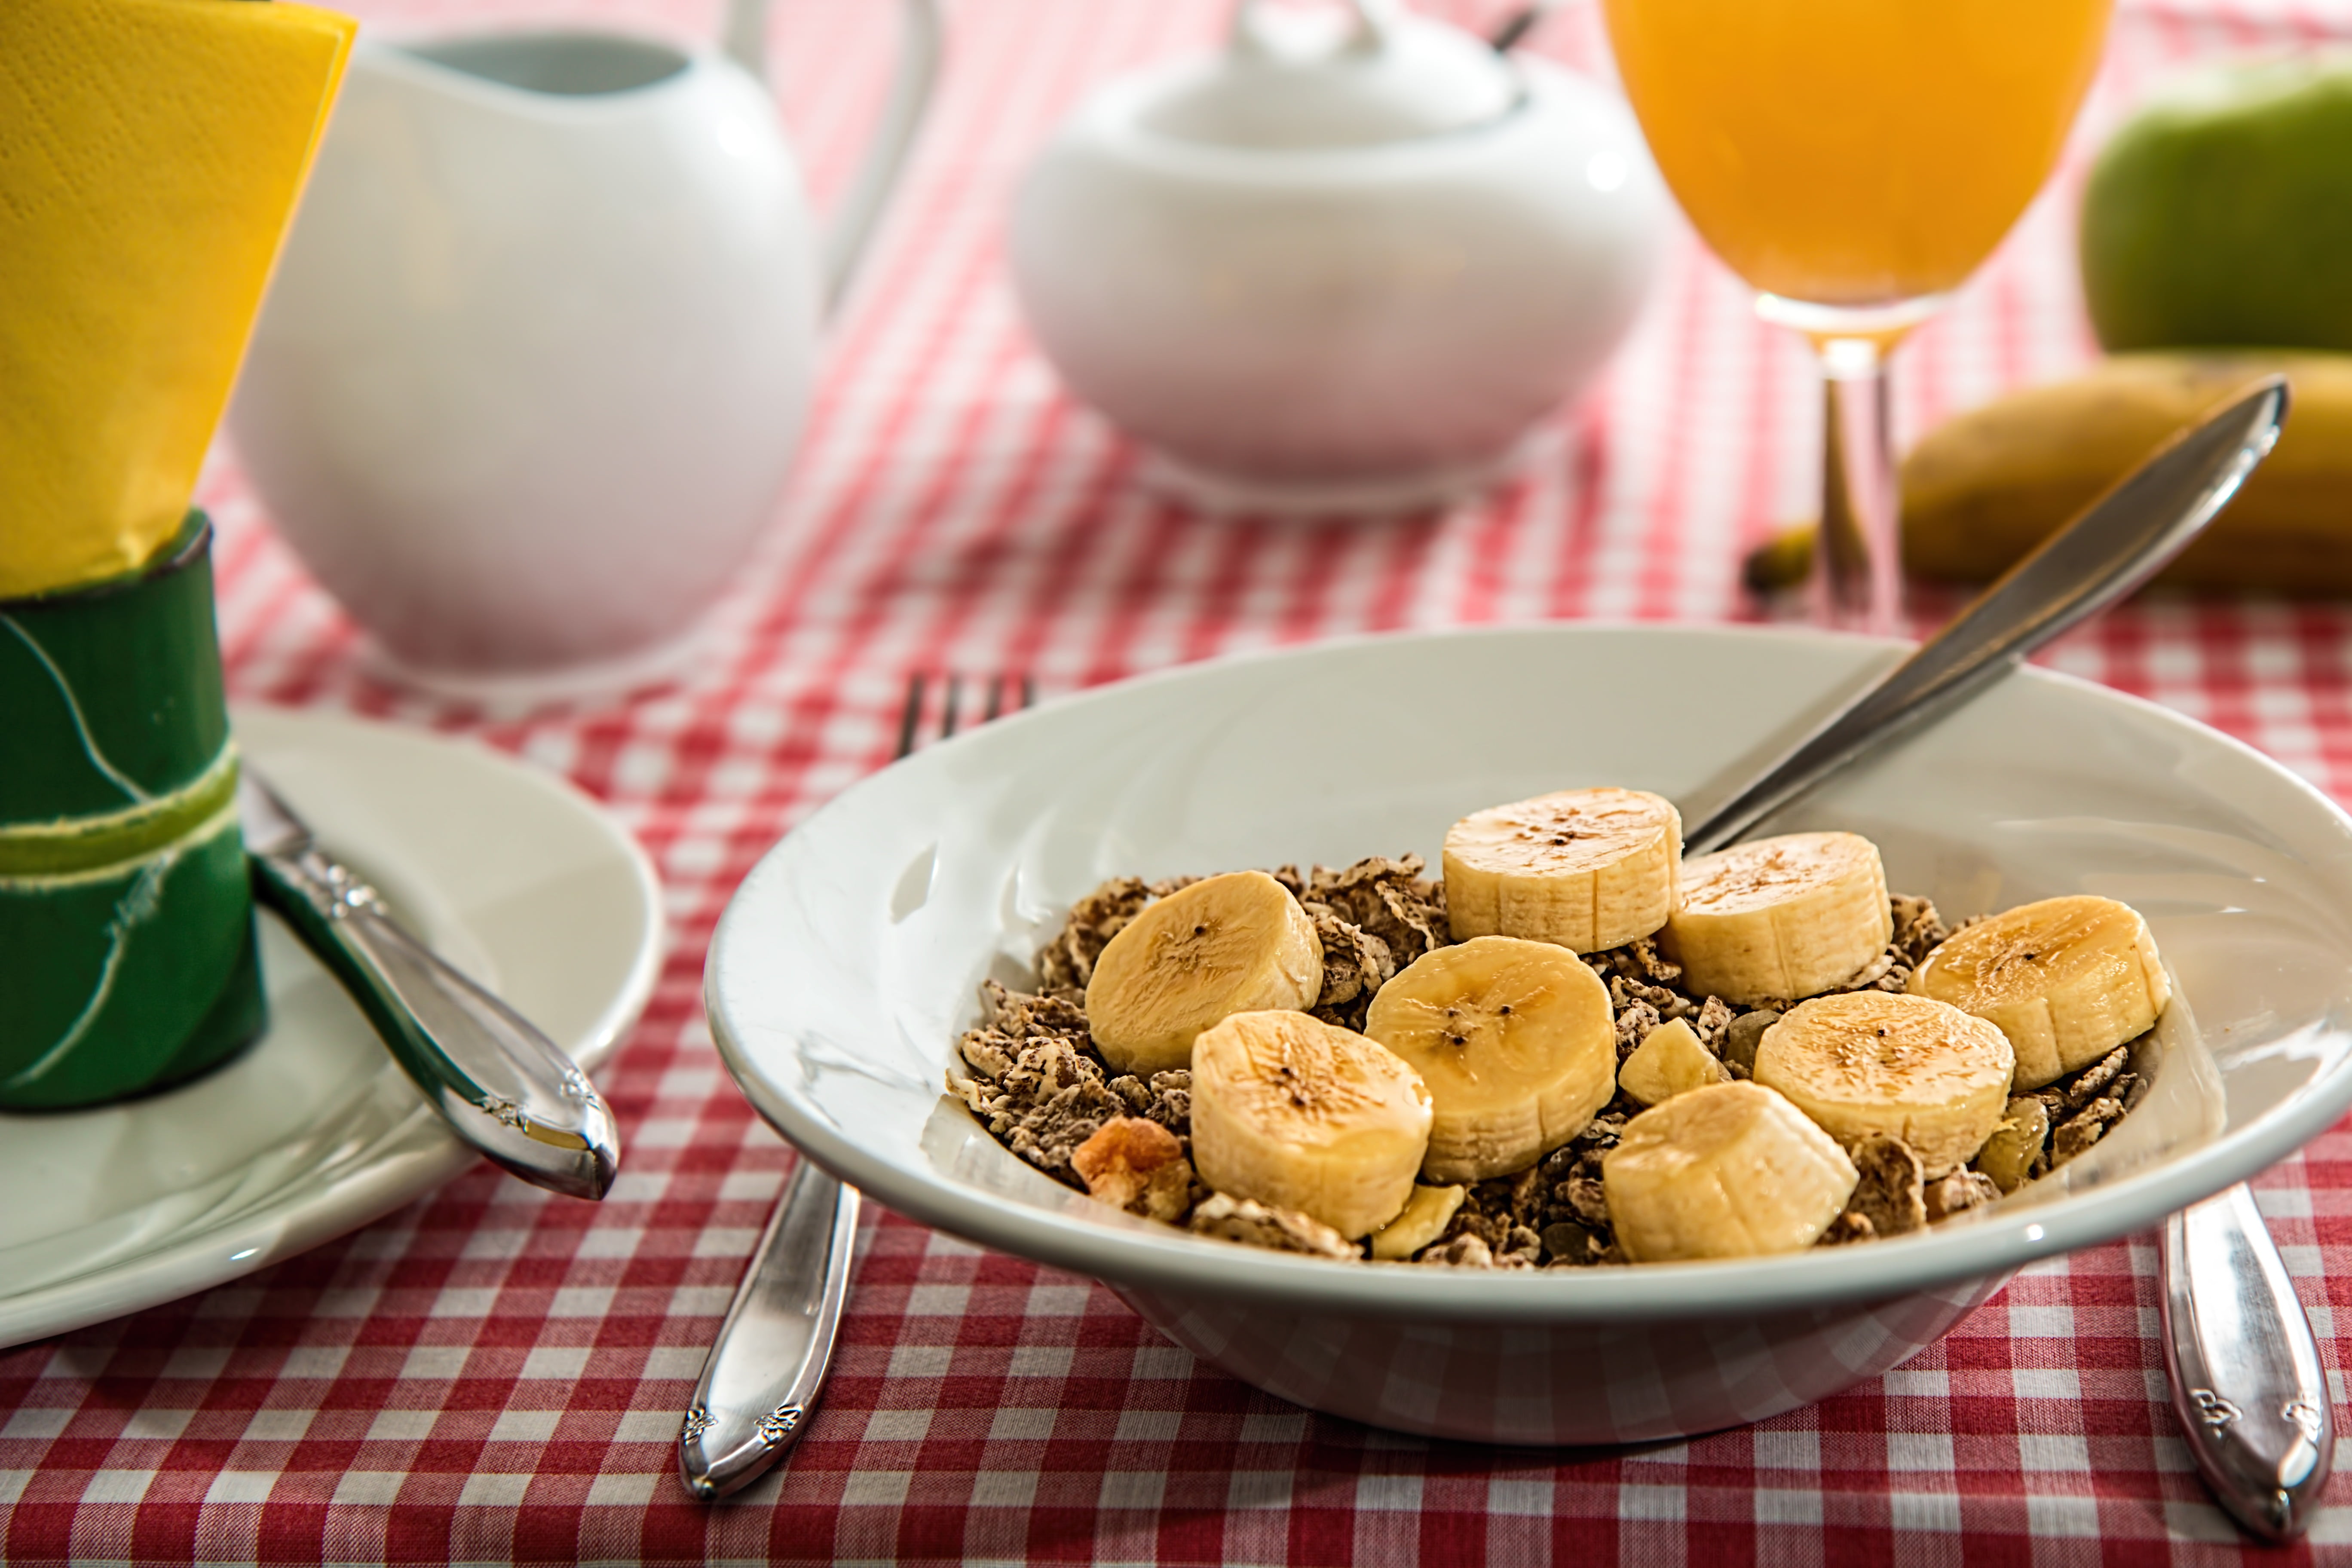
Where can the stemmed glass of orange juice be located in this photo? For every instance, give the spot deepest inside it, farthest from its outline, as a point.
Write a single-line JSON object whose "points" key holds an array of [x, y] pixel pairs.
{"points": [[1854, 161]]}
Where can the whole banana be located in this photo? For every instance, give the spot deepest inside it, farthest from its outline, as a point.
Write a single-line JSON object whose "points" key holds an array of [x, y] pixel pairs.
{"points": [[1985, 487]]}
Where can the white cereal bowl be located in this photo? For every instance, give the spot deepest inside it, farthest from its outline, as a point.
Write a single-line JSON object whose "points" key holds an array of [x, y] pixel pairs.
{"points": [[848, 962]]}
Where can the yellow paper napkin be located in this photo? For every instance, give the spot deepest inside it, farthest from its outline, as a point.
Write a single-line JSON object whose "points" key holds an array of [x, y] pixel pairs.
{"points": [[150, 152]]}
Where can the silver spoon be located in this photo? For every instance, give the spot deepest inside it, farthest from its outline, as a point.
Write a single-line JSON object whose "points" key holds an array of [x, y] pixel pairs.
{"points": [[2246, 1376]]}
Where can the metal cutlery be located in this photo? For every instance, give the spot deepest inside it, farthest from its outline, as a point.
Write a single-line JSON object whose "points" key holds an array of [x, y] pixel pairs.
{"points": [[2246, 1376], [2247, 1381], [501, 1086], [775, 1344]]}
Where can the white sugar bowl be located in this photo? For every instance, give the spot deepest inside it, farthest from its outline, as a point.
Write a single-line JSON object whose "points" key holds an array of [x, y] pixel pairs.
{"points": [[1344, 264]]}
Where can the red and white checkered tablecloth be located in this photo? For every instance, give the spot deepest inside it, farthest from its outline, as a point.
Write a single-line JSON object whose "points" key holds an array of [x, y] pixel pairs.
{"points": [[493, 1375]]}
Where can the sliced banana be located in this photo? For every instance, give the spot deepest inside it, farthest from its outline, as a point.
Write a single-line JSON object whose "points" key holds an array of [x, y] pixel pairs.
{"points": [[1669, 1061], [1305, 1115], [1729, 1171], [1426, 1215], [1782, 918], [2067, 980], [1586, 868], [1869, 1061], [1516, 1042], [1234, 944]]}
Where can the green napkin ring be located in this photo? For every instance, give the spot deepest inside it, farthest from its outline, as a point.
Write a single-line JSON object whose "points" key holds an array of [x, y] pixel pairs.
{"points": [[127, 951]]}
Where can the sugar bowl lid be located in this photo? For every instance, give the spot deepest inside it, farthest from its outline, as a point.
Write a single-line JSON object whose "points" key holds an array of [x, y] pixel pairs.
{"points": [[1356, 75]]}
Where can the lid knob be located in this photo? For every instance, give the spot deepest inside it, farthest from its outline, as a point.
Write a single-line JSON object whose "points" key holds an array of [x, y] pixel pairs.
{"points": [[1339, 76]]}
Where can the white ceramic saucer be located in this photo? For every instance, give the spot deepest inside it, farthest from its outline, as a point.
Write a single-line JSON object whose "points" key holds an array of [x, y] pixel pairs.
{"points": [[514, 876]]}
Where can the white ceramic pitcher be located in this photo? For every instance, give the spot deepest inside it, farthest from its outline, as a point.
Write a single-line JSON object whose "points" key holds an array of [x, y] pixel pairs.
{"points": [[538, 353]]}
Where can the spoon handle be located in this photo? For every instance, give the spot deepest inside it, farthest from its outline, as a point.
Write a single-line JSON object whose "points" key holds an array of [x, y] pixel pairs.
{"points": [[772, 1351], [2120, 541], [2247, 1381]]}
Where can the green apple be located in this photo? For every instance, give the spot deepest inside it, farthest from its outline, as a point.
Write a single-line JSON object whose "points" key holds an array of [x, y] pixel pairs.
{"points": [[2221, 211]]}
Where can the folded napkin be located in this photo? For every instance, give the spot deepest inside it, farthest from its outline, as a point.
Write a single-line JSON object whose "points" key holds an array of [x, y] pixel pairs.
{"points": [[150, 152]]}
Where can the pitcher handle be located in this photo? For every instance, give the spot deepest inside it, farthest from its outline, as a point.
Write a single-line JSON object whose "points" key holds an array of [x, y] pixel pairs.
{"points": [[860, 208]]}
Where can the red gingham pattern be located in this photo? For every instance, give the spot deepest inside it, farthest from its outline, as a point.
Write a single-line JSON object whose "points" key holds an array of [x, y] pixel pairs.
{"points": [[493, 1375]]}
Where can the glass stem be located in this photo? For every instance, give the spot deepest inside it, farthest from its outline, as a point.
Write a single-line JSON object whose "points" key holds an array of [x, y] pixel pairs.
{"points": [[1858, 561]]}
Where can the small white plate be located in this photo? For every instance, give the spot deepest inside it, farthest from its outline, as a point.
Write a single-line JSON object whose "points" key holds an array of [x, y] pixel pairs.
{"points": [[514, 876]]}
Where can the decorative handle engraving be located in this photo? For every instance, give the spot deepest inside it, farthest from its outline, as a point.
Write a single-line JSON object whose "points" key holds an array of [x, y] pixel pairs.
{"points": [[779, 1424], [2212, 1410]]}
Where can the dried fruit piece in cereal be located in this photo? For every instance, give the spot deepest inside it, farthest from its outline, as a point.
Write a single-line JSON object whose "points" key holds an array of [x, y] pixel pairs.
{"points": [[1137, 1166]]}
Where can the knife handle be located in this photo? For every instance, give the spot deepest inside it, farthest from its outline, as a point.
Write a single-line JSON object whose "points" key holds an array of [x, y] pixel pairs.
{"points": [[500, 1085]]}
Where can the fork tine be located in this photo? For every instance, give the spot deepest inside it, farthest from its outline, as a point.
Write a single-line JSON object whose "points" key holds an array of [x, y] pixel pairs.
{"points": [[1021, 688], [948, 709], [911, 716]]}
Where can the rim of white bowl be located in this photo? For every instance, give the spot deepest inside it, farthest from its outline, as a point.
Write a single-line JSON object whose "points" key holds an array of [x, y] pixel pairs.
{"points": [[1125, 1252]]}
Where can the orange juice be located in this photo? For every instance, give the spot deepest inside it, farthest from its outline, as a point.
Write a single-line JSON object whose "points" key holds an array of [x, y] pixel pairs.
{"points": [[1855, 152]]}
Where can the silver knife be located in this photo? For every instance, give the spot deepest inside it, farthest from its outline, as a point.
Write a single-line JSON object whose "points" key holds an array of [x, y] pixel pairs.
{"points": [[503, 1088]]}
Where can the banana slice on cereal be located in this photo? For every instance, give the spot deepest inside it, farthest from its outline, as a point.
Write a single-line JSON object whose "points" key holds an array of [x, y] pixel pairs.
{"points": [[1729, 1171], [1305, 1115], [2067, 980], [1586, 869], [1780, 918], [1516, 1042], [1234, 944], [1906, 1066]]}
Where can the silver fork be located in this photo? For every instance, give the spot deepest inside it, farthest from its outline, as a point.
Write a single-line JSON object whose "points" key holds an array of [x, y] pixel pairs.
{"points": [[769, 1360]]}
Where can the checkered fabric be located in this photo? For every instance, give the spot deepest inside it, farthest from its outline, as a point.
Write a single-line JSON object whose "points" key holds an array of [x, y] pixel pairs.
{"points": [[493, 1374]]}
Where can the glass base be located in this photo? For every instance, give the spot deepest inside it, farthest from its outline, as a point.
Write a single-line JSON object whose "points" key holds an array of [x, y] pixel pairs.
{"points": [[1857, 583]]}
